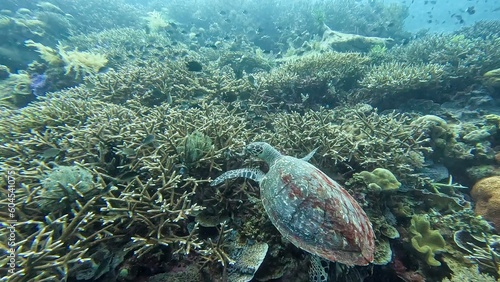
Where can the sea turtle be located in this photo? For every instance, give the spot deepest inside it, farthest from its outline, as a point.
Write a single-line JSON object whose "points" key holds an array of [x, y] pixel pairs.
{"points": [[308, 208]]}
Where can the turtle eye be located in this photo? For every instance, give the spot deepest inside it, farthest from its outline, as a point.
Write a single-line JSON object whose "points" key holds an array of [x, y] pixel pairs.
{"points": [[253, 150]]}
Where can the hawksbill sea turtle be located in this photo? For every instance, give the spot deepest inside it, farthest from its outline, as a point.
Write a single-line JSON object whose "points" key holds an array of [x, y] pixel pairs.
{"points": [[309, 208]]}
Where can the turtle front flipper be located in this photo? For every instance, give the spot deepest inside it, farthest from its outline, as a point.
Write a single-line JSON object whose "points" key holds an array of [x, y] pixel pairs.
{"points": [[250, 173], [310, 155]]}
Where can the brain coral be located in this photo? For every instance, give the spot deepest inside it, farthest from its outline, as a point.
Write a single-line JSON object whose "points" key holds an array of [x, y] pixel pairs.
{"points": [[486, 195]]}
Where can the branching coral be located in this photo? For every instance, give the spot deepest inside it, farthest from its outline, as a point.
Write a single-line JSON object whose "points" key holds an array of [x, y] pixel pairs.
{"points": [[148, 199], [359, 137], [81, 63], [77, 62], [318, 75], [461, 56], [47, 54], [395, 78]]}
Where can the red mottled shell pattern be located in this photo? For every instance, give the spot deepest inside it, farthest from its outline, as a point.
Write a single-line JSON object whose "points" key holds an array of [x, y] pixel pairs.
{"points": [[316, 214]]}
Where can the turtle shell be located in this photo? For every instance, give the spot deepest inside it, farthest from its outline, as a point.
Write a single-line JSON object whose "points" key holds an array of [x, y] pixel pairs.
{"points": [[315, 213]]}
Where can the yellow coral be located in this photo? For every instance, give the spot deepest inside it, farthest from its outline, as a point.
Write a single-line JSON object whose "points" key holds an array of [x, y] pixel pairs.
{"points": [[46, 53], [492, 78], [155, 21], [81, 63]]}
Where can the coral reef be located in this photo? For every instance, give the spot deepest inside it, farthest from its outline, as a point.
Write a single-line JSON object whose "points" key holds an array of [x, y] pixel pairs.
{"points": [[115, 117]]}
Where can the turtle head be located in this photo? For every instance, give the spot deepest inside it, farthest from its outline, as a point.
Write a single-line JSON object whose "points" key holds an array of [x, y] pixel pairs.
{"points": [[263, 151]]}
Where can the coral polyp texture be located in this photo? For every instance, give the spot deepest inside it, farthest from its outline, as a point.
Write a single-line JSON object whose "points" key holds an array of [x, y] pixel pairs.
{"points": [[116, 116]]}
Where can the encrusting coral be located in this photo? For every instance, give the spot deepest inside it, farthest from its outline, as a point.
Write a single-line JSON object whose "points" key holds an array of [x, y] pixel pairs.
{"points": [[379, 179], [425, 240]]}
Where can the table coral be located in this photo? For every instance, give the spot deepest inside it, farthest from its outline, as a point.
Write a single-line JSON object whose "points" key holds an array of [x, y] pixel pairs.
{"points": [[486, 195]]}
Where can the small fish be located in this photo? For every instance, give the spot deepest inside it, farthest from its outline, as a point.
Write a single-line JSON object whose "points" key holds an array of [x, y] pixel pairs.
{"points": [[50, 153], [169, 98], [127, 176], [148, 140], [194, 66], [251, 79], [211, 45], [128, 152], [471, 10]]}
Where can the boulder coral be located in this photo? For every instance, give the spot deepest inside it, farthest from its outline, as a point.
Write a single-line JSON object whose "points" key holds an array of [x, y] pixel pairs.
{"points": [[486, 195]]}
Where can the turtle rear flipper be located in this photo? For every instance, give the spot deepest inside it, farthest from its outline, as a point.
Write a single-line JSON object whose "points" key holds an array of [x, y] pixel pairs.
{"points": [[250, 173]]}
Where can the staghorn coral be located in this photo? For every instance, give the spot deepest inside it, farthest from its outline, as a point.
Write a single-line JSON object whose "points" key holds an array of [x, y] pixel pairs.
{"points": [[393, 79], [318, 76], [92, 15], [127, 46], [148, 200], [464, 58], [354, 137]]}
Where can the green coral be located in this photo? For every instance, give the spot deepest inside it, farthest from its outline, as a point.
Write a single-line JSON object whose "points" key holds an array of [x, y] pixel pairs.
{"points": [[378, 53], [197, 145], [426, 241], [64, 185], [380, 179]]}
